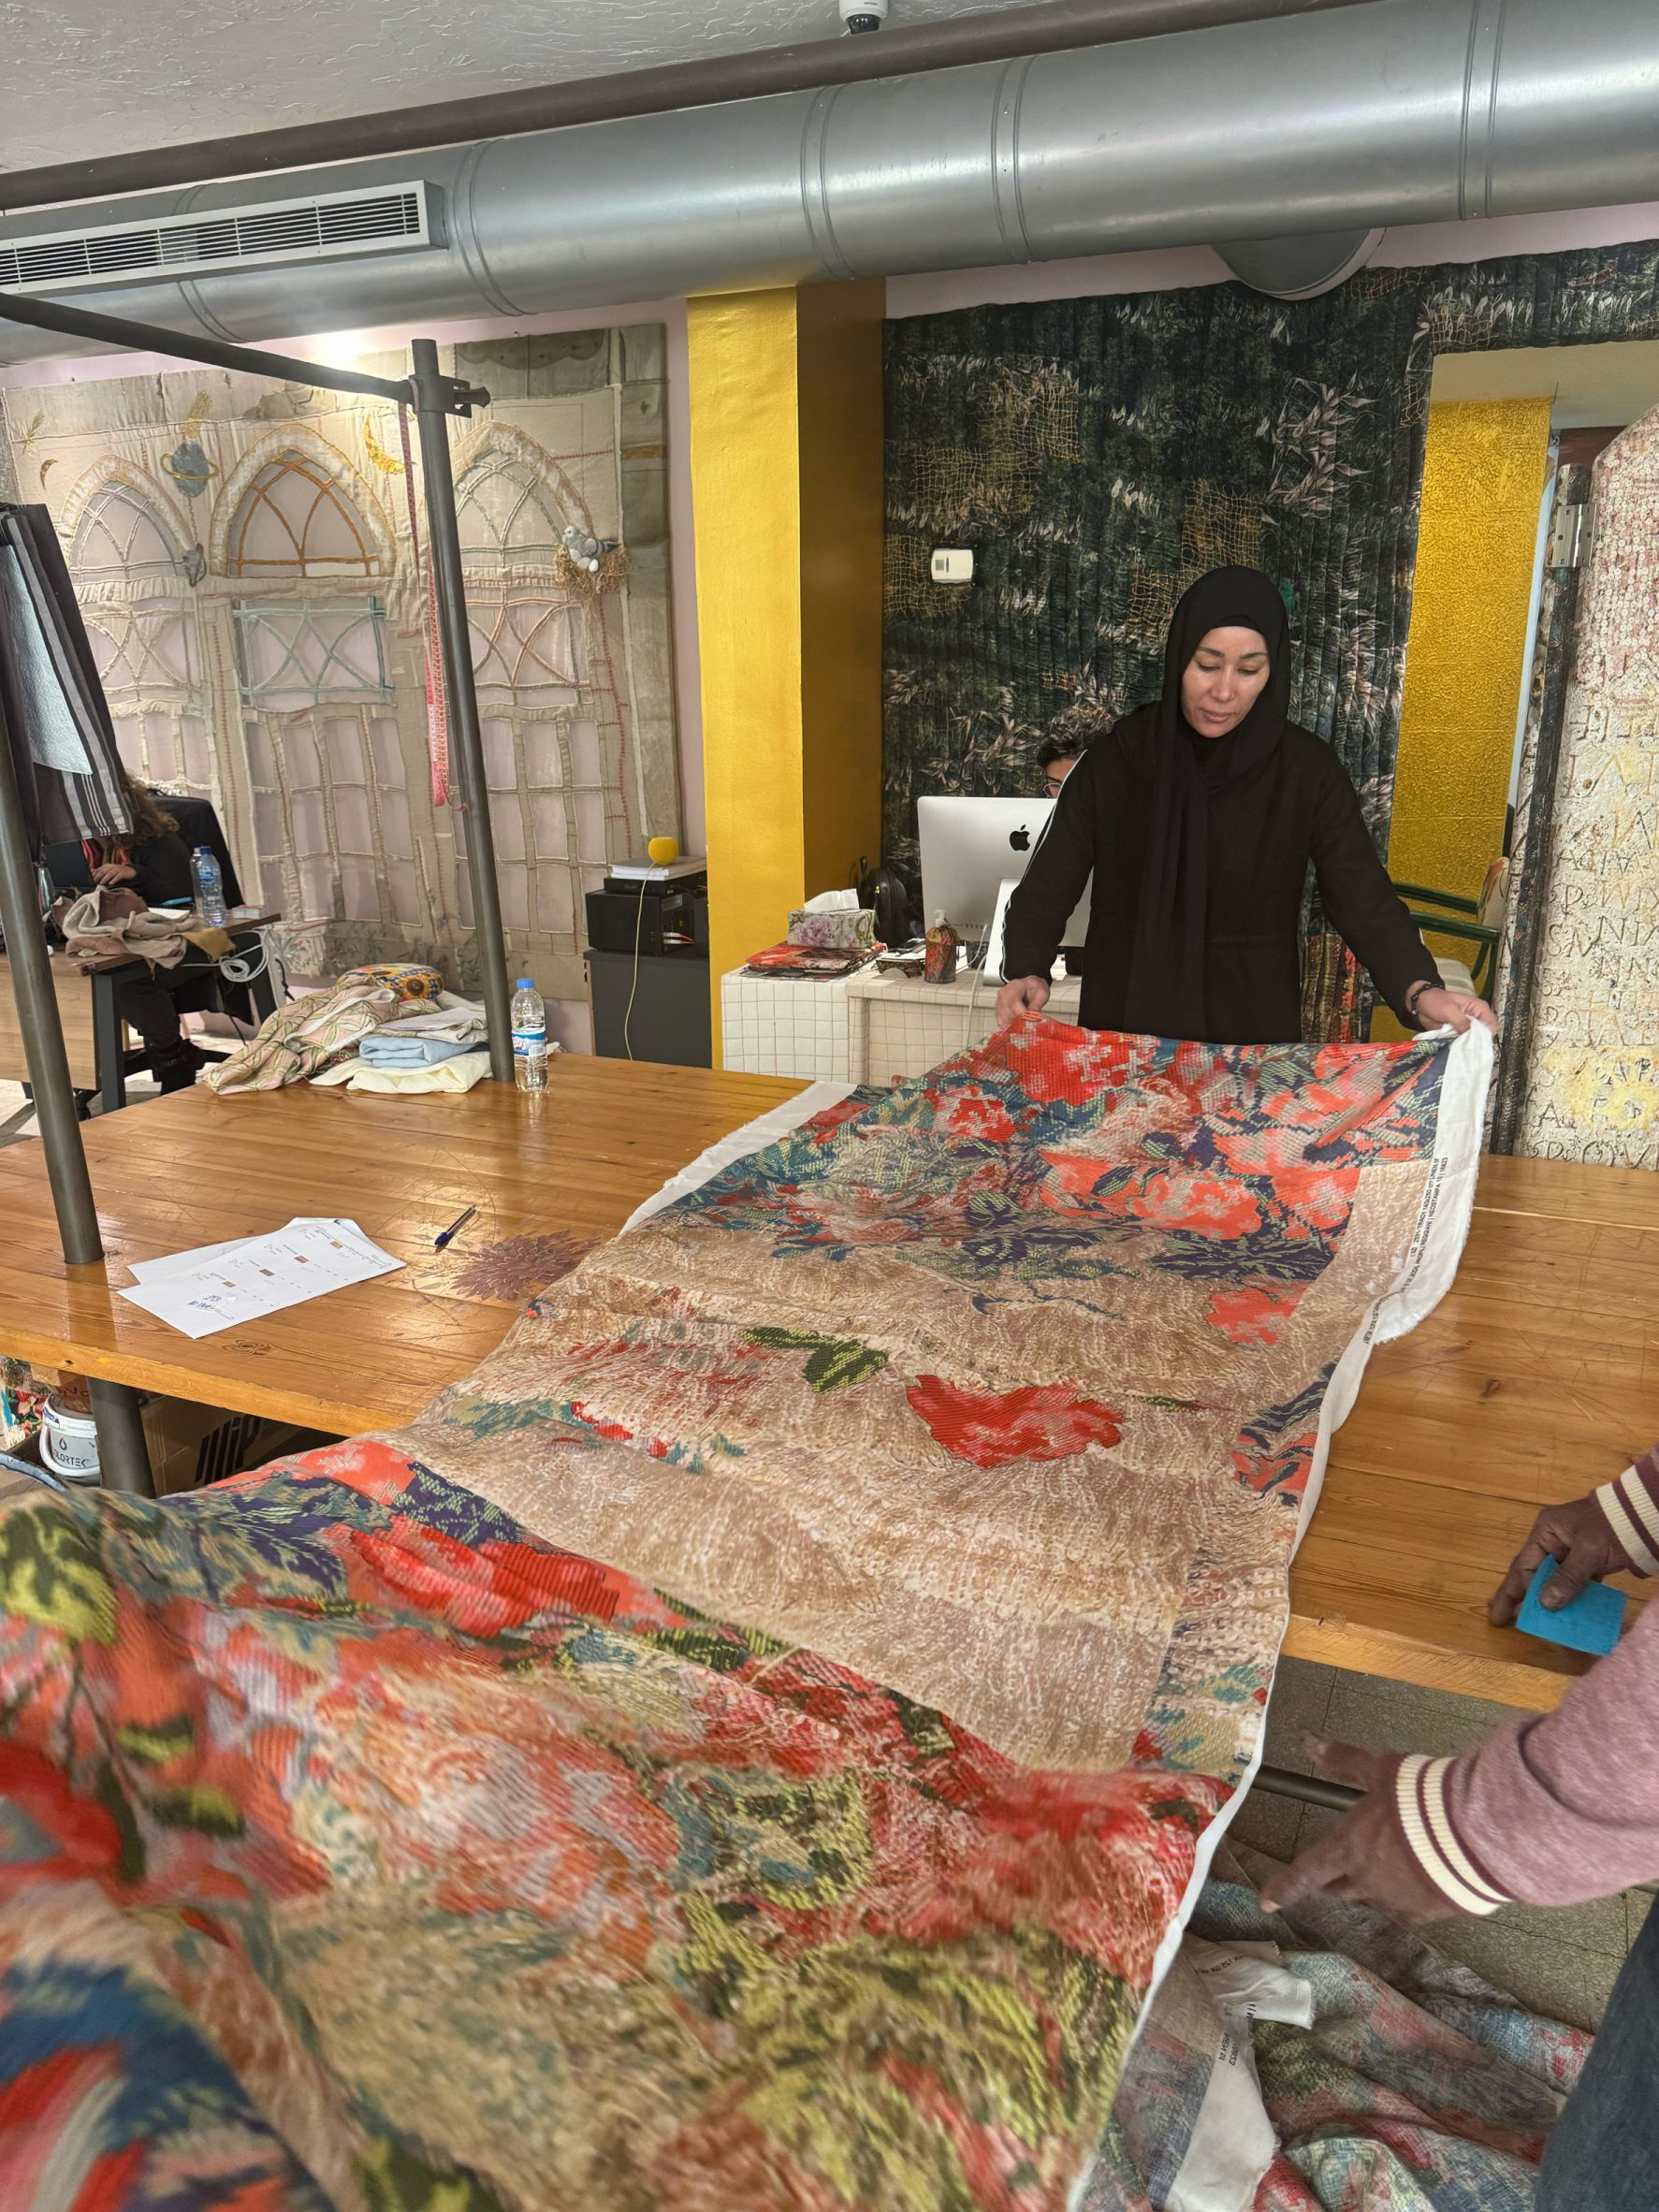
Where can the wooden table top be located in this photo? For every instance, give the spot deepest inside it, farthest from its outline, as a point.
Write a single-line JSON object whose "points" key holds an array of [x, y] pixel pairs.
{"points": [[1536, 1378], [549, 1175]]}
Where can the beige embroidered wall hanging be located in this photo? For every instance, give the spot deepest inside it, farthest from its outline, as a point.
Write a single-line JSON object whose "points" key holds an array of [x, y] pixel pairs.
{"points": [[244, 563], [1592, 1073]]}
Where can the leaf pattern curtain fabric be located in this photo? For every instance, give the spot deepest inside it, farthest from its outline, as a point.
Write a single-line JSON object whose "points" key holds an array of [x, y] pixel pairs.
{"points": [[1099, 454]]}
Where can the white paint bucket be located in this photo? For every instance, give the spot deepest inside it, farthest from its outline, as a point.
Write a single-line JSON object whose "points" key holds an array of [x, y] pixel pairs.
{"points": [[69, 1442]]}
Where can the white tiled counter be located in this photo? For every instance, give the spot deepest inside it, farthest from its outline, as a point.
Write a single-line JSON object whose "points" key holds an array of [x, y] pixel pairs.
{"points": [[899, 1026], [876, 1027], [773, 1026]]}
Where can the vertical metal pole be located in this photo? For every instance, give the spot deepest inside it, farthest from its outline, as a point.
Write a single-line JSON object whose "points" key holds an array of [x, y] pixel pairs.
{"points": [[443, 549], [43, 1033], [124, 1456]]}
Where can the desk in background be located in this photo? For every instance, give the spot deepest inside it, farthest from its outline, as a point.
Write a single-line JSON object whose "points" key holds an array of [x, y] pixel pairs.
{"points": [[99, 1062], [878, 1026]]}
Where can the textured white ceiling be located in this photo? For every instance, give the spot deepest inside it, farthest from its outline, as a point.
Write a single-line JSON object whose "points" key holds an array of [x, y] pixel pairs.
{"points": [[83, 77]]}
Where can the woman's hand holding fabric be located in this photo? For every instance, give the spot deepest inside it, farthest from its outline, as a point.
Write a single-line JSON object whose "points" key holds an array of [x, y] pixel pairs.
{"points": [[1366, 1857], [1025, 995], [1453, 1010]]}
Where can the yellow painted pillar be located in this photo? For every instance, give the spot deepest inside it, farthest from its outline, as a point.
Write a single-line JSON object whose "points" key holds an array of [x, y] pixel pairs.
{"points": [[786, 487], [1484, 468]]}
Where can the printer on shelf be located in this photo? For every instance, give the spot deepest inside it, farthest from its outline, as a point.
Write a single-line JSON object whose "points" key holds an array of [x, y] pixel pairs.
{"points": [[651, 910]]}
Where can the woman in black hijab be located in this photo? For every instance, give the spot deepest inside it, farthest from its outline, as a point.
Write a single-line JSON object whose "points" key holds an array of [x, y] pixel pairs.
{"points": [[1199, 816]]}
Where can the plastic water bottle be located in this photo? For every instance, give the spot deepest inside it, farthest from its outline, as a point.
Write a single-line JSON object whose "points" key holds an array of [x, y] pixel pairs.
{"points": [[529, 1037], [209, 881]]}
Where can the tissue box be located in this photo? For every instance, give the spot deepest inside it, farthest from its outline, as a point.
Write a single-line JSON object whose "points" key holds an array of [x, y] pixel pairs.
{"points": [[845, 929]]}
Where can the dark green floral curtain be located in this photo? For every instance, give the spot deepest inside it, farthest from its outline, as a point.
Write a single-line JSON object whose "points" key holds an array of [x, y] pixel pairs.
{"points": [[1099, 454]]}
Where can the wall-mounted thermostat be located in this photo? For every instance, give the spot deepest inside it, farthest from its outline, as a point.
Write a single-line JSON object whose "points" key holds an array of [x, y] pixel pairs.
{"points": [[952, 565]]}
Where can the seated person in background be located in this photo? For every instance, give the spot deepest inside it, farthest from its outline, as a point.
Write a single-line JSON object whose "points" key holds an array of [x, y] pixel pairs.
{"points": [[154, 862], [1063, 744], [1553, 1809]]}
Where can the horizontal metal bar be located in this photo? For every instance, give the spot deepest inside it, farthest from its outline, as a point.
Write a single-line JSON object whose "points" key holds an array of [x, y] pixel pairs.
{"points": [[1308, 1789], [1051, 26], [152, 337]]}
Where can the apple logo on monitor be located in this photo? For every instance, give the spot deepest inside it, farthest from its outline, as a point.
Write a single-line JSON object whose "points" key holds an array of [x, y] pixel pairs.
{"points": [[1020, 840]]}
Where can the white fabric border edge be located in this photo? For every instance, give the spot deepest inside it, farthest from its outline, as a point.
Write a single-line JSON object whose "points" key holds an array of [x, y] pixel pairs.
{"points": [[726, 1151]]}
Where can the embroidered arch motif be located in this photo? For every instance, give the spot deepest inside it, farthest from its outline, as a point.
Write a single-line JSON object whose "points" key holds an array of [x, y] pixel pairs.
{"points": [[512, 501], [294, 507], [115, 528]]}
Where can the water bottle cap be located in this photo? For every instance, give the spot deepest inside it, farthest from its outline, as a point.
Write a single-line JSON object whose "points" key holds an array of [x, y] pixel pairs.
{"points": [[525, 983]]}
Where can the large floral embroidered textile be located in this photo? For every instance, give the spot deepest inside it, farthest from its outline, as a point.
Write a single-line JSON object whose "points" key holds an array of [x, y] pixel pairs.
{"points": [[749, 1746]]}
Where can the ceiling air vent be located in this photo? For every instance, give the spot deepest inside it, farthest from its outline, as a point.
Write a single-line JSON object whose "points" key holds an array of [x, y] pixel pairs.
{"points": [[314, 229]]}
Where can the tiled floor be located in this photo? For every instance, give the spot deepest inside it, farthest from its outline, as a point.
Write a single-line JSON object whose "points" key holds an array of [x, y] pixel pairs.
{"points": [[1561, 1963]]}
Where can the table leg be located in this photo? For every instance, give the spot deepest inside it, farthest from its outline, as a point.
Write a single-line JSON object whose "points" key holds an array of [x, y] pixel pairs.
{"points": [[108, 1051], [124, 1456], [262, 989]]}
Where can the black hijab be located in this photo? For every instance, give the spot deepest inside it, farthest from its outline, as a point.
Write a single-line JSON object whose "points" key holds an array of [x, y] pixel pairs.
{"points": [[1166, 982]]}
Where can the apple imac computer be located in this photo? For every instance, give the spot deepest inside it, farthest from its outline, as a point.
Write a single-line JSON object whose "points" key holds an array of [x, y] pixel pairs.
{"points": [[973, 853]]}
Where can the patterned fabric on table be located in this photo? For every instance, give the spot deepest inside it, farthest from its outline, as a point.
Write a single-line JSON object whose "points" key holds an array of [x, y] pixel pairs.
{"points": [[368, 1844]]}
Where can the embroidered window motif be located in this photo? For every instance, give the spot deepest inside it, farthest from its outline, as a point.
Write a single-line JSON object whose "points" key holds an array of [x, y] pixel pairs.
{"points": [[297, 656], [296, 520]]}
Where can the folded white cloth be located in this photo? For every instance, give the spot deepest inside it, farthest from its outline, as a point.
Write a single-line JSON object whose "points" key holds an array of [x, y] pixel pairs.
{"points": [[448, 1075]]}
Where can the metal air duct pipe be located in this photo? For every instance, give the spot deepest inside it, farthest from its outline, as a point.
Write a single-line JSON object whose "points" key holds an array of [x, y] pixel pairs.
{"points": [[1395, 111]]}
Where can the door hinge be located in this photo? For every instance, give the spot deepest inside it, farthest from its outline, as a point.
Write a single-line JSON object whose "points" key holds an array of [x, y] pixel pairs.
{"points": [[1566, 536]]}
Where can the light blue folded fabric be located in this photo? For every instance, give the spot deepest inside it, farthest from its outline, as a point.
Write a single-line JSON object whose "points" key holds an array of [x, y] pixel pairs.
{"points": [[384, 1048]]}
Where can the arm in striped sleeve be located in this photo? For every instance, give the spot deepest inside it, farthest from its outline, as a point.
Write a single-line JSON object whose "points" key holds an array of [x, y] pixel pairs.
{"points": [[1630, 1506], [1555, 1809]]}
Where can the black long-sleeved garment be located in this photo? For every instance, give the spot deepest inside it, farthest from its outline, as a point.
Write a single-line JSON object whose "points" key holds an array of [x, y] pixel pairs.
{"points": [[1297, 806]]}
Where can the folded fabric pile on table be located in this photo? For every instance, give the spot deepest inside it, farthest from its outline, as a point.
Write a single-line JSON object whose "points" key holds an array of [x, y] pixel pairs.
{"points": [[812, 961], [425, 1051], [310, 1033], [111, 928], [750, 1745]]}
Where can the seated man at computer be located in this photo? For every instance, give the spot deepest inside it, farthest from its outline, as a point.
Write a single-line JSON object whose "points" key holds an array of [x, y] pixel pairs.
{"points": [[1063, 744]]}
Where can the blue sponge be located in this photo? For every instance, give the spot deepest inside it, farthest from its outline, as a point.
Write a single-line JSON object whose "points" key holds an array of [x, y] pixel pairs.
{"points": [[1592, 1622]]}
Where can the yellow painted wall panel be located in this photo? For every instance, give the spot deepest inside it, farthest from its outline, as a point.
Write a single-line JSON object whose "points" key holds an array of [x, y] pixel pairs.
{"points": [[786, 486], [1483, 476], [746, 508]]}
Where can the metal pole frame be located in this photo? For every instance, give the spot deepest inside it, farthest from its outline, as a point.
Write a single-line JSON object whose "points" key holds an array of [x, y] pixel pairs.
{"points": [[436, 398], [433, 396]]}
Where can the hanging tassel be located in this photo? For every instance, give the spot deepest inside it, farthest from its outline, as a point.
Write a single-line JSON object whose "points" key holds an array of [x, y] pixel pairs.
{"points": [[437, 701]]}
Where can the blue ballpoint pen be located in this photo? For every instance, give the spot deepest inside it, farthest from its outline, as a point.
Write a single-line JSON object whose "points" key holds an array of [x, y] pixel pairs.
{"points": [[438, 1242]]}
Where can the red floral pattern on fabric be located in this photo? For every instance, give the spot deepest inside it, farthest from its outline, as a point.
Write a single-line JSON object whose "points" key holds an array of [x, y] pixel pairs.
{"points": [[992, 1427]]}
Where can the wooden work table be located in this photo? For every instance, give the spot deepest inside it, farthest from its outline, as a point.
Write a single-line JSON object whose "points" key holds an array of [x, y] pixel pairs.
{"points": [[1537, 1378], [550, 1174]]}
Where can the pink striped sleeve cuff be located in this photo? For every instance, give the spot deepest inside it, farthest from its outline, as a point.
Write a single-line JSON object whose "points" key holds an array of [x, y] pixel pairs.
{"points": [[1630, 1508], [1420, 1798]]}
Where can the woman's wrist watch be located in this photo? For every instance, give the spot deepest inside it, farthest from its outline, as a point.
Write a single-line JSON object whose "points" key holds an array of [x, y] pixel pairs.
{"points": [[1413, 995]]}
